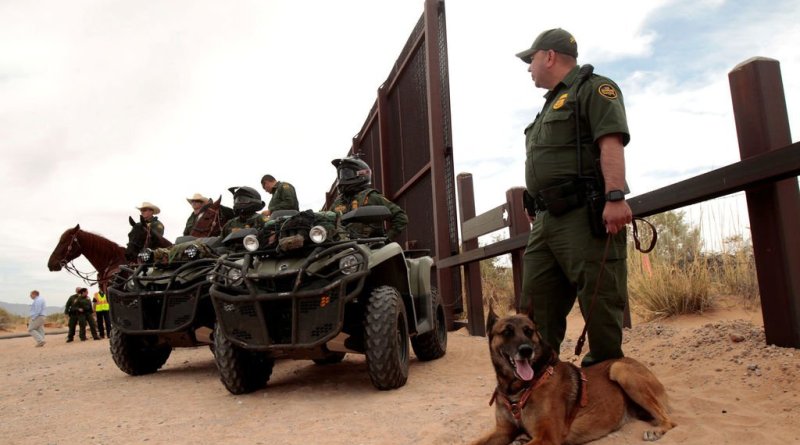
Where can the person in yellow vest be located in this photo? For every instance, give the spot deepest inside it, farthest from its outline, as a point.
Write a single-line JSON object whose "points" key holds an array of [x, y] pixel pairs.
{"points": [[101, 309]]}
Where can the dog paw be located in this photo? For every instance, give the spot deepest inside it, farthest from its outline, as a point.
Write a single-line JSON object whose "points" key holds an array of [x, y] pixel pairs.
{"points": [[650, 436]]}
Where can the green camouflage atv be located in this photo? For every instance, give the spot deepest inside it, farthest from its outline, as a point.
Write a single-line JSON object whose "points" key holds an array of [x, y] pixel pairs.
{"points": [[161, 303], [304, 287]]}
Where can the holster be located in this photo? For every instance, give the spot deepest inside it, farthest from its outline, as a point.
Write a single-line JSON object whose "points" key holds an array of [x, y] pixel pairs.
{"points": [[561, 198], [597, 202]]}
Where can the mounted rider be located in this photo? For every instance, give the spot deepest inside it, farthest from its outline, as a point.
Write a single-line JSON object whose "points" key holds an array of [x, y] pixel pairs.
{"points": [[354, 180], [149, 211], [246, 204]]}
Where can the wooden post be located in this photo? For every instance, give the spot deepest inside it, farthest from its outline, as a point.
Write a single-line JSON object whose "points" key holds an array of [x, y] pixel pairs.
{"points": [[517, 223], [472, 271], [762, 125]]}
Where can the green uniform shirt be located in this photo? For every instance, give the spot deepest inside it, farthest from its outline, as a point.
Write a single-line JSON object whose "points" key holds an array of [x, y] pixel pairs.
{"points": [[82, 303], [372, 197], [550, 140], [255, 220], [190, 224], [283, 198], [70, 302], [156, 226]]}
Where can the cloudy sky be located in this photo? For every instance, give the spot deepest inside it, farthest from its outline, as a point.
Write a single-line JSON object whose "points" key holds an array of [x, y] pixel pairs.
{"points": [[105, 104]]}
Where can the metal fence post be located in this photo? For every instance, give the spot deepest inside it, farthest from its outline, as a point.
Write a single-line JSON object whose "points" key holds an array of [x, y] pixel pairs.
{"points": [[762, 125]]}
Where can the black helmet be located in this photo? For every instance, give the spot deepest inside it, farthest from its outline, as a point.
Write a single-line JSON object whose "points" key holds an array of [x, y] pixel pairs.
{"points": [[246, 200], [353, 175]]}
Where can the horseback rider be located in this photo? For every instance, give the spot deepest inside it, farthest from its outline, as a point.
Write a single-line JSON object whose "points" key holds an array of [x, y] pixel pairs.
{"points": [[354, 181], [149, 218], [197, 201], [246, 204]]}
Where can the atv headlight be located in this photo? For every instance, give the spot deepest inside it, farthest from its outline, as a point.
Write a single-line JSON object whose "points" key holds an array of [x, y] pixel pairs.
{"points": [[145, 256], [191, 252], [235, 276], [318, 234], [349, 264], [250, 243]]}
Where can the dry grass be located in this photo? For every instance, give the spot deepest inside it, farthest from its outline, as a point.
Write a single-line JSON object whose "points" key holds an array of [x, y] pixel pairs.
{"points": [[664, 290], [9, 320]]}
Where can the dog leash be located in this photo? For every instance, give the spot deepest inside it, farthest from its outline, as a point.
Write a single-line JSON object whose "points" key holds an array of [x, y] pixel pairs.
{"points": [[638, 245]]}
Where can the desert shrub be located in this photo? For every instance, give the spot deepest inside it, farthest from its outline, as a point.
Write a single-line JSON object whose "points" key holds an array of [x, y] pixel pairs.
{"points": [[674, 279], [9, 320], [498, 287], [664, 290], [56, 319], [736, 274]]}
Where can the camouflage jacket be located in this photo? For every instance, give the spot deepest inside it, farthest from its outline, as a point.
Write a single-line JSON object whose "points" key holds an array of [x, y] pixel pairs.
{"points": [[284, 198], [255, 220], [372, 197]]}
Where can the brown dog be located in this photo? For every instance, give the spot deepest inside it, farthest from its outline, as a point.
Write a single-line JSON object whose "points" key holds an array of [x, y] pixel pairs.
{"points": [[555, 402]]}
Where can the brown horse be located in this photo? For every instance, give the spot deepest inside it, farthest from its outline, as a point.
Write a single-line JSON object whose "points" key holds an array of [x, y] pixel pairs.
{"points": [[104, 255], [211, 219]]}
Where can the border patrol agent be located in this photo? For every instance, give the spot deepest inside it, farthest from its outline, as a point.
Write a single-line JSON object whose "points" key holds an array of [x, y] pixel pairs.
{"points": [[246, 203], [284, 196], [149, 211], [354, 180], [102, 311], [573, 209]]}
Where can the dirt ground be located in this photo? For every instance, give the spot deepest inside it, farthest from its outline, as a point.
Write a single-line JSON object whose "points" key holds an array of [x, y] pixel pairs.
{"points": [[725, 385]]}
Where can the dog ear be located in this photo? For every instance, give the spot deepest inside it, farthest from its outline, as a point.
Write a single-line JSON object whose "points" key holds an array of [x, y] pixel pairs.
{"points": [[529, 312], [491, 319]]}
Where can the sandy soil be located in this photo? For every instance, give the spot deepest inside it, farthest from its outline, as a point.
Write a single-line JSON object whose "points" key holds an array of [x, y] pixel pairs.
{"points": [[725, 385]]}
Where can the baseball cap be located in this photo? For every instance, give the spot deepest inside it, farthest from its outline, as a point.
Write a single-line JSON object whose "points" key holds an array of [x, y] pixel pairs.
{"points": [[556, 39]]}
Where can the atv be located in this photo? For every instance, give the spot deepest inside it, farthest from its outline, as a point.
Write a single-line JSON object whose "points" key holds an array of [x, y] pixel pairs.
{"points": [[306, 287], [160, 303]]}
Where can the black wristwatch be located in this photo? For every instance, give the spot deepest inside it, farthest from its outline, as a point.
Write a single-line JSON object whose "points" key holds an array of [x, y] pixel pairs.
{"points": [[615, 195]]}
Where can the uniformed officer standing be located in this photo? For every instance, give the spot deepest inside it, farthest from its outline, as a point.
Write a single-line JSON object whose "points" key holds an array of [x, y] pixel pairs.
{"points": [[71, 316], [562, 256], [148, 212], [354, 180], [246, 204], [82, 308], [284, 196]]}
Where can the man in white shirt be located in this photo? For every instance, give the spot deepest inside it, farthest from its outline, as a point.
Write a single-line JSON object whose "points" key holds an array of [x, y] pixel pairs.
{"points": [[36, 325]]}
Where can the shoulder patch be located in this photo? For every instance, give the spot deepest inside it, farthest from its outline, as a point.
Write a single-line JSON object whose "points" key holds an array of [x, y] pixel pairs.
{"points": [[286, 186], [560, 101], [607, 91]]}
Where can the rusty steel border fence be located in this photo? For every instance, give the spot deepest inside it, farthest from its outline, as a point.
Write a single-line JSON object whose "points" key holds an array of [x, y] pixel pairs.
{"points": [[407, 141], [767, 173]]}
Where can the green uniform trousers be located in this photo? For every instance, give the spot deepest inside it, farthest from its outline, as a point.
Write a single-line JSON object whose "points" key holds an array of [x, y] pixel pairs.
{"points": [[562, 261]]}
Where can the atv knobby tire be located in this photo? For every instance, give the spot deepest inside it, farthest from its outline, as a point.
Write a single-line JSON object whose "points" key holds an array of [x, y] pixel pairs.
{"points": [[432, 344], [137, 354], [240, 370], [386, 339]]}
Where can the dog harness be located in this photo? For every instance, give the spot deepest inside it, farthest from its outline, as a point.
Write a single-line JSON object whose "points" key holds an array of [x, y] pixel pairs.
{"points": [[515, 408]]}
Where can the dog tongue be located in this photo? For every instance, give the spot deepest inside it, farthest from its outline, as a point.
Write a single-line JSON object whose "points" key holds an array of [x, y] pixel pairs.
{"points": [[524, 370]]}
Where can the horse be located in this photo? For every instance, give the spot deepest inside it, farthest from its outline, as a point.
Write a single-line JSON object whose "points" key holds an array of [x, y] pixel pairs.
{"points": [[141, 237], [211, 219], [104, 255]]}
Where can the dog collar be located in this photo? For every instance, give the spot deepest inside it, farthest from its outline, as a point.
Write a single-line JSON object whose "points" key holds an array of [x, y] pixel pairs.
{"points": [[516, 407]]}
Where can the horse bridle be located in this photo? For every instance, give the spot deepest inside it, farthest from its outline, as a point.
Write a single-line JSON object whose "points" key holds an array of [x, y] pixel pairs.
{"points": [[70, 267]]}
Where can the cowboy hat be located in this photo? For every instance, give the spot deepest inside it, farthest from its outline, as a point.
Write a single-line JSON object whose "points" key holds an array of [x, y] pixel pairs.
{"points": [[197, 197], [148, 205]]}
